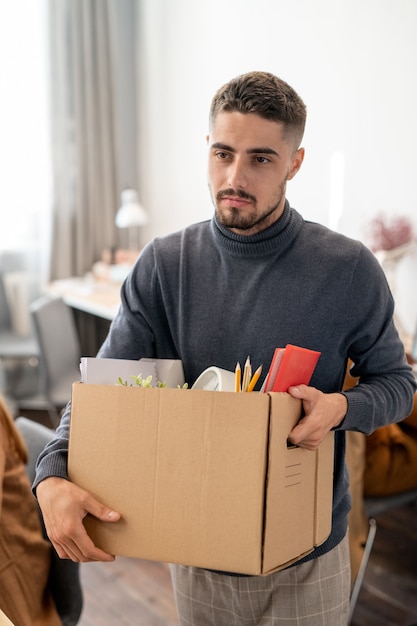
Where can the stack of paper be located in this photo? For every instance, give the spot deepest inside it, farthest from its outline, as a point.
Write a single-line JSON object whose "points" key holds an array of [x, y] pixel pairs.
{"points": [[108, 371]]}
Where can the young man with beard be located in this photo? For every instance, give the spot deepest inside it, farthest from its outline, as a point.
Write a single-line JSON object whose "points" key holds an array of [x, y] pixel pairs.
{"points": [[254, 277]]}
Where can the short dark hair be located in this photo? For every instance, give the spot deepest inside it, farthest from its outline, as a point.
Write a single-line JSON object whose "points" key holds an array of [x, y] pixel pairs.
{"points": [[266, 95]]}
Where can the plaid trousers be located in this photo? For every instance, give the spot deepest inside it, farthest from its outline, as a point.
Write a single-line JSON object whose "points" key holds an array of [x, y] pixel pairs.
{"points": [[315, 593]]}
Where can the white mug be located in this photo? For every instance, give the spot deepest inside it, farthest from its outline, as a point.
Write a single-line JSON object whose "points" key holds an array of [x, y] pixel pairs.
{"points": [[215, 379]]}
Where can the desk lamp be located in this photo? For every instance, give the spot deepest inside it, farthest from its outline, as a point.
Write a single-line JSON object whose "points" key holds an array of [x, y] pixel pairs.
{"points": [[131, 213]]}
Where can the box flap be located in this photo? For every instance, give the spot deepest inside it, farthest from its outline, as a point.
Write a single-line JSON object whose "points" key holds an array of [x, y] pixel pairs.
{"points": [[324, 489], [289, 515], [299, 489]]}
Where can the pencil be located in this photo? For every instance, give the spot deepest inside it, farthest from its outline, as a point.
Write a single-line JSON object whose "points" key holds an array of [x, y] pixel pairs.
{"points": [[237, 377], [247, 374], [255, 378]]}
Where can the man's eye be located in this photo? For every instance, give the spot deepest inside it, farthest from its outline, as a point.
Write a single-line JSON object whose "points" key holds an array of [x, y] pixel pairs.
{"points": [[221, 155], [261, 159]]}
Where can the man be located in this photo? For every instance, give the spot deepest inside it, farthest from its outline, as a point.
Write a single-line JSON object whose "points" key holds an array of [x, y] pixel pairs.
{"points": [[255, 277]]}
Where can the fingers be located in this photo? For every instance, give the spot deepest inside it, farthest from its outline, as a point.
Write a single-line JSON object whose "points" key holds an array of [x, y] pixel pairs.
{"points": [[64, 507], [79, 549], [322, 412], [302, 436], [71, 541], [308, 432]]}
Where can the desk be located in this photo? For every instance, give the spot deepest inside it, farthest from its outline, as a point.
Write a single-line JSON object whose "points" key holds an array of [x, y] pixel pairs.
{"points": [[99, 298], [94, 303]]}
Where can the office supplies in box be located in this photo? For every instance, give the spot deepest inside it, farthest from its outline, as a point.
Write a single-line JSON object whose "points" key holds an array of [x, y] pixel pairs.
{"points": [[200, 477]]}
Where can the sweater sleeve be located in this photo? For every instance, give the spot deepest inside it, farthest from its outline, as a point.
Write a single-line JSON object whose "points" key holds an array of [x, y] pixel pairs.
{"points": [[386, 383], [53, 459], [379, 400]]}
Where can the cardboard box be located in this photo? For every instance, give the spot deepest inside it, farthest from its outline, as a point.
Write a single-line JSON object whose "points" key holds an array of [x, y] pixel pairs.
{"points": [[200, 478]]}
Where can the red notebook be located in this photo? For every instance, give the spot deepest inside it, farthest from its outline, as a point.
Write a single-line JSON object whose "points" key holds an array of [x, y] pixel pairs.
{"points": [[290, 366]]}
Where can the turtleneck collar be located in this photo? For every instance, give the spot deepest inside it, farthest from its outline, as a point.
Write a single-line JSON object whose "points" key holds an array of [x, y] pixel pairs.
{"points": [[275, 238]]}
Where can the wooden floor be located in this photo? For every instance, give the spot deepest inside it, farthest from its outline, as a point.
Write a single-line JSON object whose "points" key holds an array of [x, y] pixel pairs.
{"points": [[127, 592], [131, 592], [388, 595]]}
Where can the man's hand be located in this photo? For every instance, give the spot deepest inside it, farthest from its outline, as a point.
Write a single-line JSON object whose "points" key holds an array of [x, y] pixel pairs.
{"points": [[323, 411], [64, 506]]}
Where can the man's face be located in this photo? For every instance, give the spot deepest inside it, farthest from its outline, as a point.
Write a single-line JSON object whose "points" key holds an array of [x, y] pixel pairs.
{"points": [[249, 165]]}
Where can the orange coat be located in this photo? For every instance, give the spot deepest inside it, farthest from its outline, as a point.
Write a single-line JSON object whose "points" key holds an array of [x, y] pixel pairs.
{"points": [[391, 458], [24, 553]]}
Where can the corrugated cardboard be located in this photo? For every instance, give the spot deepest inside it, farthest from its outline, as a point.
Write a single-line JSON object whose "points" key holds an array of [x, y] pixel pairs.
{"points": [[200, 478]]}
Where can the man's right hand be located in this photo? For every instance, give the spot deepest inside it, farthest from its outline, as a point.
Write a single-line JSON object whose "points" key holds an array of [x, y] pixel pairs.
{"points": [[64, 506]]}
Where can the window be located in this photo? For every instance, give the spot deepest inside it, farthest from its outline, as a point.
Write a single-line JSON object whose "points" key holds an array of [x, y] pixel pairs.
{"points": [[25, 181]]}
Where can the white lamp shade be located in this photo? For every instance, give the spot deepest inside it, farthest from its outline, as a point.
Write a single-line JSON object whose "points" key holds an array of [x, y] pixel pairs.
{"points": [[131, 213]]}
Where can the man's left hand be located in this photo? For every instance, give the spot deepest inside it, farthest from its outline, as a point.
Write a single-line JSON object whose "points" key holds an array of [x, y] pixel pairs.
{"points": [[322, 412]]}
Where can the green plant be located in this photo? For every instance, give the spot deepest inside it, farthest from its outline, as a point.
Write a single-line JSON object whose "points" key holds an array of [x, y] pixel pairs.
{"points": [[145, 382]]}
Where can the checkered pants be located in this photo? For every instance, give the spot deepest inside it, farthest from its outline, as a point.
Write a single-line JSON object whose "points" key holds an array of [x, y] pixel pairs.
{"points": [[315, 593]]}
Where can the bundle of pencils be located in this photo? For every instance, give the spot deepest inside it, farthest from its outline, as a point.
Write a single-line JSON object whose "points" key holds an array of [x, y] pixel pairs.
{"points": [[248, 381]]}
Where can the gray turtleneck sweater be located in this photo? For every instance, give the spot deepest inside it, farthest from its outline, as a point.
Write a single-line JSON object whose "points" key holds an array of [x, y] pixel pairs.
{"points": [[210, 297]]}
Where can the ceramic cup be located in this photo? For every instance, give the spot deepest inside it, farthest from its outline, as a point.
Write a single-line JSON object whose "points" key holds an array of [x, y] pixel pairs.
{"points": [[215, 379]]}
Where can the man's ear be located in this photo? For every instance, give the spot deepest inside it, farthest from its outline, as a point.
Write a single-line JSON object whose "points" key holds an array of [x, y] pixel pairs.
{"points": [[297, 160]]}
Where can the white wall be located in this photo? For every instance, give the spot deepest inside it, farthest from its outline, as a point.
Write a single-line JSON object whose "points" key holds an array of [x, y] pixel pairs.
{"points": [[353, 62]]}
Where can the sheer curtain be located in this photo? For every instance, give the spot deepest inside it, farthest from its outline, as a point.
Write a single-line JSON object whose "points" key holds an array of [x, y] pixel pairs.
{"points": [[86, 57], [67, 131]]}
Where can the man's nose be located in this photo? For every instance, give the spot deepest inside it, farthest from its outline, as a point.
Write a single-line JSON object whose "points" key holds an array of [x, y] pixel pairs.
{"points": [[237, 175]]}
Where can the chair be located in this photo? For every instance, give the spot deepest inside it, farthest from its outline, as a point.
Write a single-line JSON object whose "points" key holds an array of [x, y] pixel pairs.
{"points": [[13, 343], [64, 577], [59, 348], [19, 350]]}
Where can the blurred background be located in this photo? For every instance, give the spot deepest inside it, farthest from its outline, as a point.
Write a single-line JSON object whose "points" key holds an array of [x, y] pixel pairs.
{"points": [[104, 96]]}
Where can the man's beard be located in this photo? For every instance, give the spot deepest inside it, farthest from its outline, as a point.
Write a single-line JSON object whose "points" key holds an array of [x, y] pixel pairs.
{"points": [[241, 219]]}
